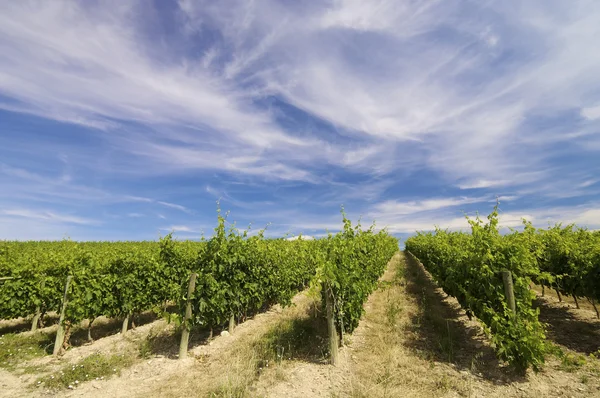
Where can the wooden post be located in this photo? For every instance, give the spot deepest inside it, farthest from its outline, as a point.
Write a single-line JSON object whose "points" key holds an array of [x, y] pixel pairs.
{"points": [[509, 291], [60, 333], [125, 324], [185, 330], [38, 309], [89, 329], [231, 324], [333, 338]]}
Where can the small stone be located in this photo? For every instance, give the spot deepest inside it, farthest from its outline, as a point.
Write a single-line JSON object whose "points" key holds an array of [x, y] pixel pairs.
{"points": [[225, 333]]}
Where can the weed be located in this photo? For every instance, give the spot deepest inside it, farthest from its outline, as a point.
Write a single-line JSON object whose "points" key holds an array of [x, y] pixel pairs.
{"points": [[33, 369], [446, 342], [571, 362], [17, 348], [443, 384], [393, 309], [476, 362], [299, 338], [96, 366]]}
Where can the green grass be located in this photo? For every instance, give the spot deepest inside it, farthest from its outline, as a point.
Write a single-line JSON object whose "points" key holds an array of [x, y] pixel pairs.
{"points": [[96, 366], [298, 338], [33, 369], [571, 362], [17, 348]]}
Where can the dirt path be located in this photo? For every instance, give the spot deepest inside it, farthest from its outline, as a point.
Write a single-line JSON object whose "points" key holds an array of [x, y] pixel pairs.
{"points": [[313, 379]]}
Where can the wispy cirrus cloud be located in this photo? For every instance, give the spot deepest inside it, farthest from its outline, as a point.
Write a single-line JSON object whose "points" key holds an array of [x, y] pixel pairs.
{"points": [[406, 112], [48, 216], [180, 228], [394, 207], [174, 206]]}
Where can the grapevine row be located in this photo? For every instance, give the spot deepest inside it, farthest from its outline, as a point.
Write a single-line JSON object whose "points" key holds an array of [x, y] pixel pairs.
{"points": [[469, 267], [236, 275]]}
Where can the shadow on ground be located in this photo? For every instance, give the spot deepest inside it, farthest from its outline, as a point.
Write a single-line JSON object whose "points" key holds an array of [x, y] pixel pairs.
{"points": [[300, 338], [108, 327], [441, 330], [165, 342], [24, 324], [566, 328]]}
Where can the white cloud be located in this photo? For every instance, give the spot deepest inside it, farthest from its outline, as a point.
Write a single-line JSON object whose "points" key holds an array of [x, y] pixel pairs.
{"points": [[174, 206], [591, 113], [589, 218], [48, 216], [482, 183], [304, 237], [584, 216], [588, 183], [393, 207], [180, 228], [506, 198], [68, 62], [445, 94]]}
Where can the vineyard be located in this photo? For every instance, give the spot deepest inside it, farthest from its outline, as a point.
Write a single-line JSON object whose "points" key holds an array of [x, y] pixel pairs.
{"points": [[473, 269], [189, 295], [210, 283]]}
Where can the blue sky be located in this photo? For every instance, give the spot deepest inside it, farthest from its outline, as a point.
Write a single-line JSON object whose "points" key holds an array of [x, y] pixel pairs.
{"points": [[128, 120]]}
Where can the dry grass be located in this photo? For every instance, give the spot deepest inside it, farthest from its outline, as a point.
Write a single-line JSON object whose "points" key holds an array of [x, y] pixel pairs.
{"points": [[416, 342], [383, 364], [261, 352]]}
